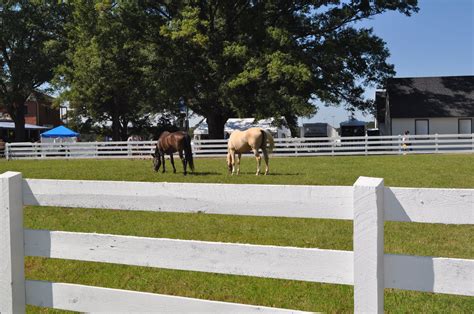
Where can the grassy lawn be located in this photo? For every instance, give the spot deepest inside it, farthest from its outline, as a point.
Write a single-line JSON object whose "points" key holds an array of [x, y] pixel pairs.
{"points": [[453, 171], [449, 171]]}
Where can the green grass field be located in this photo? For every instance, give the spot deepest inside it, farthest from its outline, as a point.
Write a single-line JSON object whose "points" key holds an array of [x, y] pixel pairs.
{"points": [[451, 171]]}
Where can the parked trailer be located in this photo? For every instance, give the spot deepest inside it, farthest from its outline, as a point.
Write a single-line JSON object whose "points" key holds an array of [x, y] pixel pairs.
{"points": [[318, 130]]}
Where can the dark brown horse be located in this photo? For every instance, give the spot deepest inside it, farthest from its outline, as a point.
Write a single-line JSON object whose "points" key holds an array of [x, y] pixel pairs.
{"points": [[170, 143]]}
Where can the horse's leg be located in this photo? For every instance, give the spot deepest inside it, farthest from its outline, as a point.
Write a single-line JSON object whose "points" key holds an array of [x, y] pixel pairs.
{"points": [[172, 163], [159, 163], [183, 160], [163, 162], [265, 158], [259, 160], [239, 155], [232, 156]]}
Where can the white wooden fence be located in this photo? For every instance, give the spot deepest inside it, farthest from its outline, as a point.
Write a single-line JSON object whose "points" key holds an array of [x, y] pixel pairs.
{"points": [[368, 203], [317, 146]]}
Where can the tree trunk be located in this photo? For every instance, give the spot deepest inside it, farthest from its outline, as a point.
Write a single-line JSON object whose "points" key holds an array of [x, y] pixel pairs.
{"points": [[115, 126], [19, 119], [215, 124], [123, 129]]}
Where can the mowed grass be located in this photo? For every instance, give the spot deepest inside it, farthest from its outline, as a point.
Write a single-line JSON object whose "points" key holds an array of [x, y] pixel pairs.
{"points": [[449, 171], [454, 171]]}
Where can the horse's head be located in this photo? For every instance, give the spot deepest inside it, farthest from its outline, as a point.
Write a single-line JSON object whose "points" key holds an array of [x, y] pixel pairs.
{"points": [[156, 159]]}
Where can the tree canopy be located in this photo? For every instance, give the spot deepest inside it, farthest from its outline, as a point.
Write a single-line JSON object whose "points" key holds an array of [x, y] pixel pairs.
{"points": [[121, 60], [269, 58], [104, 76], [31, 46]]}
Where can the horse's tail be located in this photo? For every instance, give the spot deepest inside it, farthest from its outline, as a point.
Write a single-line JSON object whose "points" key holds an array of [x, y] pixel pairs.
{"points": [[267, 140], [188, 152]]}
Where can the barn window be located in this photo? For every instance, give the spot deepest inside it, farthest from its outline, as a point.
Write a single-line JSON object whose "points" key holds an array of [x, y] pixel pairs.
{"points": [[422, 127], [465, 126]]}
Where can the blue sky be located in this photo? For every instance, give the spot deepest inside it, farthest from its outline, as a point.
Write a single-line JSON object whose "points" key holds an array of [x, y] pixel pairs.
{"points": [[437, 41]]}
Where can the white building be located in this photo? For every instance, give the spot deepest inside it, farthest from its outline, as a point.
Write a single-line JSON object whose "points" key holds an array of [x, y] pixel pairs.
{"points": [[426, 105], [278, 130]]}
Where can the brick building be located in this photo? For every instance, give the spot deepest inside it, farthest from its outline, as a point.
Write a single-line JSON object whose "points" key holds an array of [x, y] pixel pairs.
{"points": [[39, 111]]}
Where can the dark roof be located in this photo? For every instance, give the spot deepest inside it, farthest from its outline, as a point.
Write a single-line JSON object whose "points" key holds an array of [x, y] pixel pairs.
{"points": [[449, 96], [353, 122], [40, 96]]}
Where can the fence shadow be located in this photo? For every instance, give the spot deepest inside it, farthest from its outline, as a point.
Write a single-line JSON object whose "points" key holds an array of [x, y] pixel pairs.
{"points": [[40, 293], [28, 194], [38, 243], [403, 271], [409, 272], [393, 208]]}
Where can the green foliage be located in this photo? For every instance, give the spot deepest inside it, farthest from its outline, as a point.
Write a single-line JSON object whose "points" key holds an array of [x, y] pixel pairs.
{"points": [[269, 58], [125, 59], [32, 42], [104, 78]]}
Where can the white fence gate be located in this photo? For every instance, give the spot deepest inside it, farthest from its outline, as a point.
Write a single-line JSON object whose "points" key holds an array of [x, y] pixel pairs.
{"points": [[317, 146], [367, 202]]}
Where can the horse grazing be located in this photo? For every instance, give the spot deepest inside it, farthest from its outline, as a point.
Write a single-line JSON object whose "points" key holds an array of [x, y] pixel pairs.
{"points": [[252, 139], [170, 143]]}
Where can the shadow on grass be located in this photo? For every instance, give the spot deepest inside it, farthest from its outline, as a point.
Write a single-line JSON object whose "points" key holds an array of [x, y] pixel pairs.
{"points": [[271, 174], [205, 173], [285, 174]]}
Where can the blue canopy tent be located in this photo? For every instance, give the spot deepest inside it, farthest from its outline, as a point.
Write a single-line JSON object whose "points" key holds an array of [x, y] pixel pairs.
{"points": [[59, 134]]}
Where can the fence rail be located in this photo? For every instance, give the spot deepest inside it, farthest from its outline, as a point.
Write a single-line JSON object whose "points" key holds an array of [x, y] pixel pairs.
{"points": [[361, 145], [368, 203]]}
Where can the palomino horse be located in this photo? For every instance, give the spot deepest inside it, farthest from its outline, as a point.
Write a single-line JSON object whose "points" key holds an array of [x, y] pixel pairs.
{"points": [[170, 143], [252, 139]]}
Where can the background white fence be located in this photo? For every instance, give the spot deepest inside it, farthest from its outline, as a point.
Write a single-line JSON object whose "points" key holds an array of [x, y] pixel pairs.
{"points": [[318, 146], [368, 203]]}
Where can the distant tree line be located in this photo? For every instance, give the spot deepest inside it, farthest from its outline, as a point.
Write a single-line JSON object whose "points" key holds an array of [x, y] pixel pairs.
{"points": [[120, 61]]}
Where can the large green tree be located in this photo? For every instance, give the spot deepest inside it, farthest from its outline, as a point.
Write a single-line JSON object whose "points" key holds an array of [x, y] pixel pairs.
{"points": [[31, 46], [267, 58], [104, 76]]}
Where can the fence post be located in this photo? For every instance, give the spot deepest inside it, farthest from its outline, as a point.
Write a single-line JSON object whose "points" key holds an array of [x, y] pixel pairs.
{"points": [[436, 142], [368, 245], [366, 143], [472, 140], [399, 144], [12, 274], [7, 151]]}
